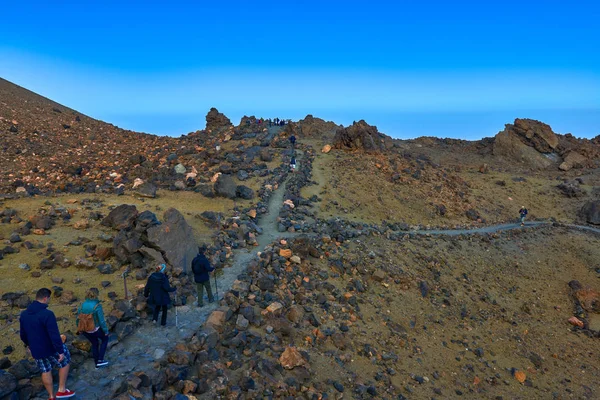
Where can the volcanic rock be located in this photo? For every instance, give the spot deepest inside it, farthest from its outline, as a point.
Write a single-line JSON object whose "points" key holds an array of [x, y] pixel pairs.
{"points": [[591, 212], [225, 187], [175, 238], [291, 358], [121, 217], [573, 160], [359, 135], [146, 189], [216, 121], [527, 141]]}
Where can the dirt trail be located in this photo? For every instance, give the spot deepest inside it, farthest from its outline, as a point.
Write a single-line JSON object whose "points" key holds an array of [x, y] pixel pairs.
{"points": [[138, 351]]}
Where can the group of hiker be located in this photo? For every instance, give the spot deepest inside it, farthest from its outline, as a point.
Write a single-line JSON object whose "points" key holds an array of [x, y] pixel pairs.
{"points": [[271, 122], [276, 122], [40, 334]]}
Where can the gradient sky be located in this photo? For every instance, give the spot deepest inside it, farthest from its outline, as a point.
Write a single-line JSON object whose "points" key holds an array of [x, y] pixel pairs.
{"points": [[457, 69]]}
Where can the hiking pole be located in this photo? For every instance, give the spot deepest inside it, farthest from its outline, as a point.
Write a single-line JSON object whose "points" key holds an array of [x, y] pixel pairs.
{"points": [[176, 319], [125, 282], [216, 287]]}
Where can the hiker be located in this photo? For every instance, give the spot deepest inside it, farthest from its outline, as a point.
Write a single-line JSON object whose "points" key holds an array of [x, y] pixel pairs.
{"points": [[293, 163], [293, 141], [39, 332], [201, 268], [157, 290], [91, 323], [522, 214]]}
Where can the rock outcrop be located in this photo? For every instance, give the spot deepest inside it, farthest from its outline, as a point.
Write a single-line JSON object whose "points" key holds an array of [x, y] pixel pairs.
{"points": [[359, 135], [529, 142], [216, 121]]}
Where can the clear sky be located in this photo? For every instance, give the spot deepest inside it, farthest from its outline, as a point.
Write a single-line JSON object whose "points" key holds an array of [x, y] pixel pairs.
{"points": [[440, 68]]}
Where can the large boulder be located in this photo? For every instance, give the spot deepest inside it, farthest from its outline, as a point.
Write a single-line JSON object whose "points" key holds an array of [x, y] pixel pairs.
{"points": [[510, 145], [225, 186], [537, 134], [529, 142], [359, 135], [121, 217], [244, 192], [590, 212], [146, 189], [175, 239], [573, 160], [152, 257], [216, 121]]}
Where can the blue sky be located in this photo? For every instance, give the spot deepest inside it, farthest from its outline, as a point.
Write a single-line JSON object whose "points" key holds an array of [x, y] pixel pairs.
{"points": [[458, 69]]}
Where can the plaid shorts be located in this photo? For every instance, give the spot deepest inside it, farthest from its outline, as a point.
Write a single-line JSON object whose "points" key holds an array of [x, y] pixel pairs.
{"points": [[46, 364]]}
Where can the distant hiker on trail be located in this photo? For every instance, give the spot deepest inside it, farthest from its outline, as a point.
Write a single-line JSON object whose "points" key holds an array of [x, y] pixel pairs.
{"points": [[201, 268], [293, 141], [522, 215], [157, 290], [293, 163], [91, 323], [39, 333]]}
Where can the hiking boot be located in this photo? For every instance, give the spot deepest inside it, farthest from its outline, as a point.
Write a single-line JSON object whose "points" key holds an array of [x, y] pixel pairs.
{"points": [[101, 363], [65, 394]]}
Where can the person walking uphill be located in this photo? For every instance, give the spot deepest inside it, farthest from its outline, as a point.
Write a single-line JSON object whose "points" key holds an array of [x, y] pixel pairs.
{"points": [[91, 323], [522, 215], [201, 268], [39, 333], [157, 290]]}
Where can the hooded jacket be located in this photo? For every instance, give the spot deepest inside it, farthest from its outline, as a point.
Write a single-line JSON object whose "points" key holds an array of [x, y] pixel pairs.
{"points": [[157, 289], [39, 331], [201, 267], [93, 306]]}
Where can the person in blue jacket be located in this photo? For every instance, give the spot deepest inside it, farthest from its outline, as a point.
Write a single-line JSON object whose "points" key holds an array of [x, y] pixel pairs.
{"points": [[157, 290], [201, 268], [522, 214], [98, 337], [39, 332]]}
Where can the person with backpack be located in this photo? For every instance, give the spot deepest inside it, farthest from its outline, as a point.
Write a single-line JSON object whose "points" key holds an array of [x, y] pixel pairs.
{"points": [[201, 268], [39, 332], [157, 290], [522, 214], [293, 141], [91, 323]]}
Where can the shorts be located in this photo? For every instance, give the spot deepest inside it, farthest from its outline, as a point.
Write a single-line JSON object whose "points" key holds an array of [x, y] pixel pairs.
{"points": [[46, 364]]}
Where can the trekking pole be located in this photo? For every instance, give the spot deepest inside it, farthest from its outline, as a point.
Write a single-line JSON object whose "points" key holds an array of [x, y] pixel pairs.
{"points": [[125, 282], [176, 319], [216, 287]]}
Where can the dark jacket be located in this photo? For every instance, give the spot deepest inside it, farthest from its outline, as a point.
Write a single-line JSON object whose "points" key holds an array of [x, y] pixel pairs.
{"points": [[293, 139], [157, 289], [523, 212], [39, 331], [93, 306], [201, 267]]}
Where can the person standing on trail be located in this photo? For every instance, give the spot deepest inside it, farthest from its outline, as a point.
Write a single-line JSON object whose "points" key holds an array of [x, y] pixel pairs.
{"points": [[91, 323], [157, 290], [201, 268], [522, 214], [39, 332], [293, 163], [293, 141]]}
